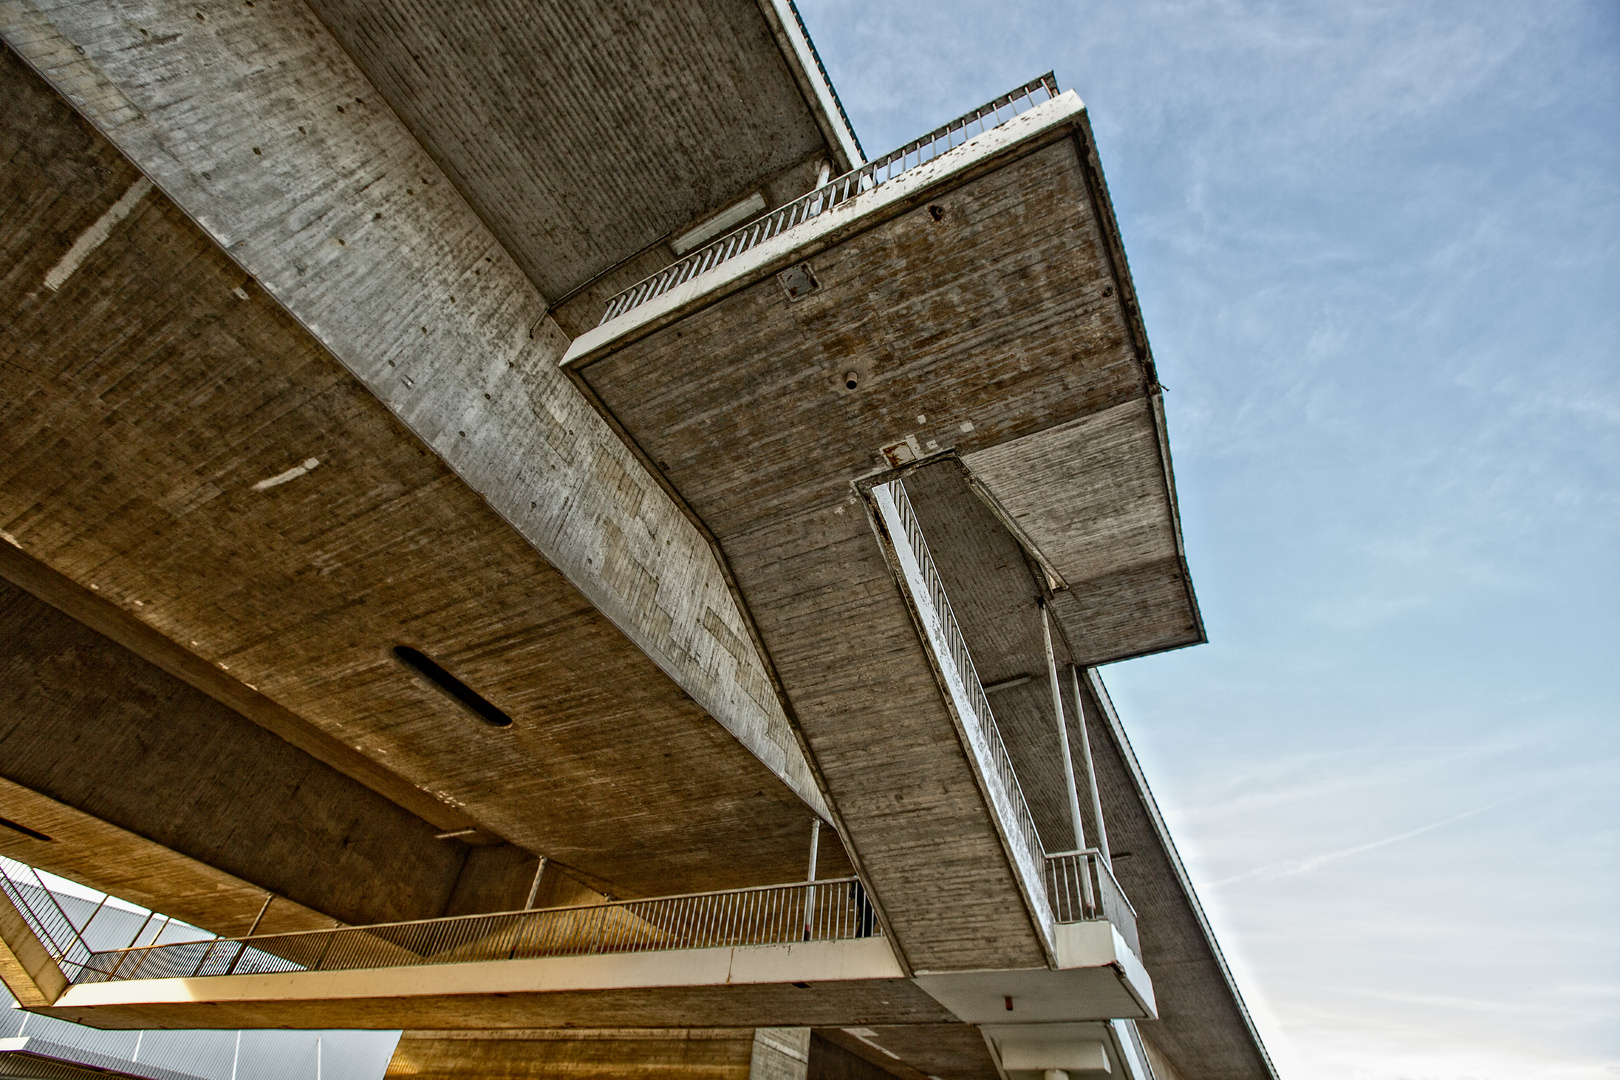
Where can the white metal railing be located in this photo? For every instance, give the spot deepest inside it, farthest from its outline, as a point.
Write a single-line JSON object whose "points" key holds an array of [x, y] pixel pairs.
{"points": [[833, 910], [950, 647], [44, 914], [1081, 887], [836, 191]]}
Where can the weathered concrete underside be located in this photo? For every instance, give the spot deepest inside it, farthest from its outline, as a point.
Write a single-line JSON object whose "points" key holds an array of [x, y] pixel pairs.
{"points": [[263, 131], [144, 400], [89, 725], [945, 1051], [995, 586], [325, 158], [694, 105], [631, 1053], [1005, 330]]}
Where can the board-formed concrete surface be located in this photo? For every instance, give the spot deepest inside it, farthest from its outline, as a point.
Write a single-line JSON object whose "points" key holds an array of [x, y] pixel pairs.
{"points": [[1006, 329], [263, 131], [205, 99], [147, 403], [631, 1053]]}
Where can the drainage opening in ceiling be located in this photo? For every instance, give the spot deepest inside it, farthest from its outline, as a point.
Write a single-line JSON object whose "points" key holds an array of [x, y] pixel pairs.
{"points": [[425, 666], [7, 823]]}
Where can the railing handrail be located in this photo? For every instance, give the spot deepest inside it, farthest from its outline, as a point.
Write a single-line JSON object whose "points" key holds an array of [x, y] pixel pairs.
{"points": [[1048, 82], [1103, 866], [40, 924], [838, 190], [492, 914], [963, 659], [830, 909]]}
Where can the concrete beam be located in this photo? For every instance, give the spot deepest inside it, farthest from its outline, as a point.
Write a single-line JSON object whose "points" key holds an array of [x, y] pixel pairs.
{"points": [[117, 625], [26, 966], [87, 724], [910, 1052], [607, 1054], [586, 132], [140, 451], [256, 122]]}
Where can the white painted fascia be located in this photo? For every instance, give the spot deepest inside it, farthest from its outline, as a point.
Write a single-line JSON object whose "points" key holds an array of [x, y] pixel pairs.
{"points": [[823, 230], [814, 961], [1096, 943], [808, 75]]}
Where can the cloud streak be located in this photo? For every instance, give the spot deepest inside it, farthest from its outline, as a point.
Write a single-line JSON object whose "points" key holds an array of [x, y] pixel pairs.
{"points": [[1290, 867]]}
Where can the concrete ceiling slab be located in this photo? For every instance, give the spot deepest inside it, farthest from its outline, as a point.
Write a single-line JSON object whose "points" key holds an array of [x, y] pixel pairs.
{"points": [[88, 724], [151, 397], [920, 1051], [1094, 501], [585, 132], [978, 307], [263, 132], [649, 1054]]}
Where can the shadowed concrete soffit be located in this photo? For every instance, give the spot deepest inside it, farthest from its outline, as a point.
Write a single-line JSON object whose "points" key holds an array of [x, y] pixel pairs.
{"points": [[586, 133], [150, 398]]}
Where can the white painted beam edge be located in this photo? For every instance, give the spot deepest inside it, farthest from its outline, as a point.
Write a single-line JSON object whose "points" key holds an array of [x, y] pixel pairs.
{"points": [[1048, 115], [816, 961]]}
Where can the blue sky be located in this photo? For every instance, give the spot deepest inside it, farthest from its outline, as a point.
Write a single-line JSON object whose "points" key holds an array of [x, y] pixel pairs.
{"points": [[1376, 245]]}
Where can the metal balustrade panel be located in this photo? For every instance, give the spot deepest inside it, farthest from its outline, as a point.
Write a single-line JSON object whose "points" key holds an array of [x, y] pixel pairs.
{"points": [[1082, 887], [980, 715], [771, 915], [836, 191]]}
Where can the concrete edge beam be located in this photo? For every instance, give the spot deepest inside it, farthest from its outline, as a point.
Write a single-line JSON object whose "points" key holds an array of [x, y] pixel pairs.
{"points": [[26, 966], [257, 124], [810, 962], [831, 226]]}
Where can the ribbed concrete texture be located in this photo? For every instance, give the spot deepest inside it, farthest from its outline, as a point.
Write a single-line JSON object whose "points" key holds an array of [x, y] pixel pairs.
{"points": [[296, 592], [276, 144], [780, 1054], [622, 1054]]}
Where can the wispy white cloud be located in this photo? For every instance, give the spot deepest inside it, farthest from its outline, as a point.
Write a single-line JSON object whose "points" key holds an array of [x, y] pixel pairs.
{"points": [[1290, 867], [1377, 246]]}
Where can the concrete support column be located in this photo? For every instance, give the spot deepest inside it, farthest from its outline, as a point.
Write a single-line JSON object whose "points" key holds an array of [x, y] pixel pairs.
{"points": [[780, 1054]]}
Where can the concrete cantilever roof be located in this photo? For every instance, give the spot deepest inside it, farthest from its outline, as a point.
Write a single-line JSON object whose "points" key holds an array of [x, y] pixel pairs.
{"points": [[203, 393], [345, 211], [1097, 502], [262, 129]]}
